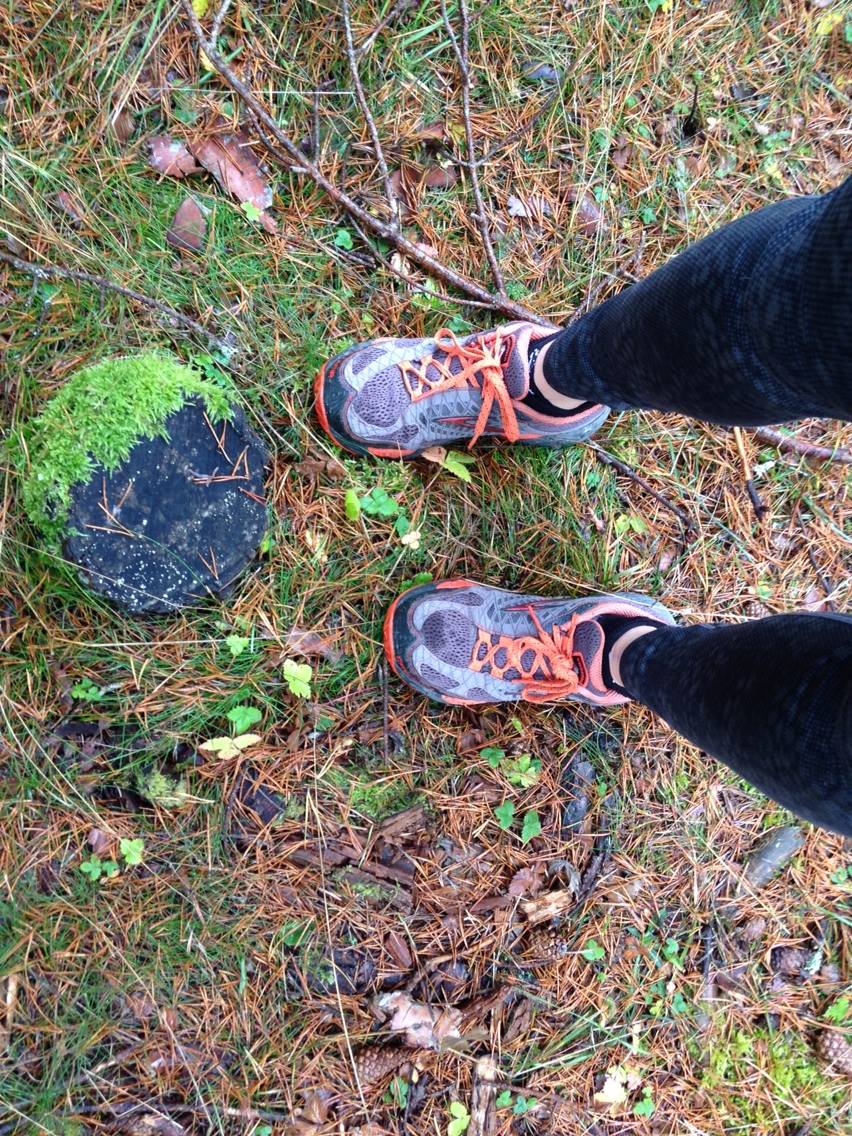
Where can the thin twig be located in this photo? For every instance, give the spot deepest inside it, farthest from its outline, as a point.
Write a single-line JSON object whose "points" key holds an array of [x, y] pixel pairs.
{"points": [[461, 47], [57, 272], [520, 130], [822, 579], [607, 458], [757, 503], [288, 153], [399, 9], [806, 449], [219, 19], [393, 200]]}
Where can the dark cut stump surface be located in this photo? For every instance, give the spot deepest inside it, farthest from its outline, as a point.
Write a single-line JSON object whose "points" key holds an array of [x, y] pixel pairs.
{"points": [[178, 521]]}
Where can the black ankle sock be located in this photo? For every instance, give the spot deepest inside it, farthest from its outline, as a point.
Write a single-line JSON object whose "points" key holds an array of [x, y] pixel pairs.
{"points": [[613, 627], [534, 399]]}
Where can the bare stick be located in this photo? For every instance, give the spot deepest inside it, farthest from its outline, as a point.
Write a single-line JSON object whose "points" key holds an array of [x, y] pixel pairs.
{"points": [[607, 458], [462, 53], [288, 153], [219, 19], [806, 449], [393, 201], [399, 9], [57, 272], [757, 503]]}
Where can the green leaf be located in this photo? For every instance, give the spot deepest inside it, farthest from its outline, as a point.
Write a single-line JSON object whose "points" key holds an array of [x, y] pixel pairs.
{"points": [[505, 814], [92, 868], [251, 211], [297, 677], [379, 503], [531, 827], [241, 717], [645, 1106], [351, 505], [133, 851], [295, 931], [398, 1091], [86, 691], [838, 1010], [523, 771], [826, 25], [504, 1099], [461, 1120], [343, 239], [493, 755], [401, 525], [110, 869], [455, 463], [524, 1104], [593, 951], [236, 644]]}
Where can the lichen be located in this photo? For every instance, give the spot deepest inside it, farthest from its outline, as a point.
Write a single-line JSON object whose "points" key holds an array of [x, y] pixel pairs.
{"points": [[95, 420]]}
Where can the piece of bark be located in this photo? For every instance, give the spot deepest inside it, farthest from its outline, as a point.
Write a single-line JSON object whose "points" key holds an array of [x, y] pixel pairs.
{"points": [[549, 906], [170, 157], [483, 1119], [771, 855]]}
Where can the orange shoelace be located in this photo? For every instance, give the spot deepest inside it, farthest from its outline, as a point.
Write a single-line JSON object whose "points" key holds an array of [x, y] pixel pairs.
{"points": [[553, 654], [481, 367]]}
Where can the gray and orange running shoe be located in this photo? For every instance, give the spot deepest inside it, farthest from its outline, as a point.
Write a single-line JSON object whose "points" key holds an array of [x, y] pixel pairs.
{"points": [[462, 643], [394, 398]]}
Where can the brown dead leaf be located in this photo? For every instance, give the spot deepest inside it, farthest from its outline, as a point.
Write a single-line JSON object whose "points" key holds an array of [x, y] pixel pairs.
{"points": [[422, 1026], [588, 217], [123, 124], [318, 467], [228, 156], [171, 158], [140, 1005], [440, 177], [405, 183], [100, 842], [70, 205], [188, 228], [315, 1108], [151, 1124], [431, 132], [622, 153], [527, 881], [436, 454], [311, 645], [533, 207], [398, 950]]}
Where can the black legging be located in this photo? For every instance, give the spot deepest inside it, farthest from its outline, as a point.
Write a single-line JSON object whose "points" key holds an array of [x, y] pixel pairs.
{"points": [[750, 326], [771, 698]]}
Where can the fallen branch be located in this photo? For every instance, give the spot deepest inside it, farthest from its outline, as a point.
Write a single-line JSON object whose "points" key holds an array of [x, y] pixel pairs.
{"points": [[797, 446], [378, 150], [757, 503], [288, 153], [607, 458], [461, 48], [57, 272]]}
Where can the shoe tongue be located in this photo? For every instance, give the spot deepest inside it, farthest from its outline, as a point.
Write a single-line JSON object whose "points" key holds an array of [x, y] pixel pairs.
{"points": [[588, 642]]}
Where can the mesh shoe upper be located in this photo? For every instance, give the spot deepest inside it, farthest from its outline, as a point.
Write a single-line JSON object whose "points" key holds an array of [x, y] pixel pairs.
{"points": [[461, 642], [397, 397]]}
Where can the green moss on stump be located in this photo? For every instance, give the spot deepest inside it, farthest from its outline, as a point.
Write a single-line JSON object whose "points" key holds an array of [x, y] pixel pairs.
{"points": [[95, 420]]}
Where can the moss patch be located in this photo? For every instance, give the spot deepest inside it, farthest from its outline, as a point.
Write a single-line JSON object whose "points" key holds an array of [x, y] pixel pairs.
{"points": [[95, 420]]}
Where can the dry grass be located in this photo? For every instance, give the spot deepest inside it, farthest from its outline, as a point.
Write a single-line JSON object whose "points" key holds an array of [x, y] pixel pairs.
{"points": [[179, 989]]}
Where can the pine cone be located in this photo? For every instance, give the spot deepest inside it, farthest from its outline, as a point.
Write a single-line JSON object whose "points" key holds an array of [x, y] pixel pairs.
{"points": [[376, 1062], [835, 1050], [545, 945]]}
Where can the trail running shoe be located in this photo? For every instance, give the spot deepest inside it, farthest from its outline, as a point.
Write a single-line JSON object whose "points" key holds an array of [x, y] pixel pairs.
{"points": [[394, 398], [462, 643]]}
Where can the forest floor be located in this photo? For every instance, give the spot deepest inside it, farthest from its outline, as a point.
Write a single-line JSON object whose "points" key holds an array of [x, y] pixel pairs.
{"points": [[340, 928]]}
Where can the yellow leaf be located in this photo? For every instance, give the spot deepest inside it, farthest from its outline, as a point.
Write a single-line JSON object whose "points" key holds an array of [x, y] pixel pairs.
{"points": [[827, 23], [204, 60], [230, 747], [200, 8]]}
